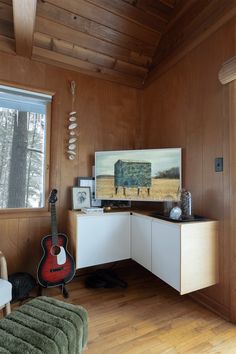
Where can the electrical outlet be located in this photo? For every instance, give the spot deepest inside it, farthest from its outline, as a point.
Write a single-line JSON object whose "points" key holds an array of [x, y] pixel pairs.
{"points": [[219, 164]]}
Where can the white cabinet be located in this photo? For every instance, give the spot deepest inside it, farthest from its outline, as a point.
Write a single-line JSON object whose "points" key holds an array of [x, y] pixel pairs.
{"points": [[101, 238], [185, 255], [141, 240], [166, 252]]}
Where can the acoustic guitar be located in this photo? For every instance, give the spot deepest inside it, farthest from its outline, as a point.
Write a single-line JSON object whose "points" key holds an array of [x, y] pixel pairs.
{"points": [[57, 266]]}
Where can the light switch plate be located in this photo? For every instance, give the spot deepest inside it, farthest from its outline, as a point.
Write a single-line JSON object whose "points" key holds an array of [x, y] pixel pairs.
{"points": [[219, 166]]}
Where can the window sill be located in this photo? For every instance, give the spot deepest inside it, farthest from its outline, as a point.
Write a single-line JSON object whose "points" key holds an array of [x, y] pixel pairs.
{"points": [[24, 213]]}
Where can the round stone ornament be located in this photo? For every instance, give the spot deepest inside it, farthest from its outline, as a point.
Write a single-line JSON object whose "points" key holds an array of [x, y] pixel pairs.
{"points": [[175, 213]]}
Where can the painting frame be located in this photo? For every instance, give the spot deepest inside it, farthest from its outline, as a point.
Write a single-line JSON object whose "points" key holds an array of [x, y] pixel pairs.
{"points": [[148, 175], [81, 198], [90, 182]]}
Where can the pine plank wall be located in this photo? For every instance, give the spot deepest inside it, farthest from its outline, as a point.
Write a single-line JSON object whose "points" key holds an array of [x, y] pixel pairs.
{"points": [[185, 107]]}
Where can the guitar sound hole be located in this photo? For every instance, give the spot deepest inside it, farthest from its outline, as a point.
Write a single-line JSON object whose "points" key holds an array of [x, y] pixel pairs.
{"points": [[55, 250]]}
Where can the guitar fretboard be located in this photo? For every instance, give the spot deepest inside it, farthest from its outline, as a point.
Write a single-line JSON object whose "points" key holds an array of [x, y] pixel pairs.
{"points": [[54, 224]]}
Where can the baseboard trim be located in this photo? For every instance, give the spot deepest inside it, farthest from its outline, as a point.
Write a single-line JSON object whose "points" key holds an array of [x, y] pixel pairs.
{"points": [[211, 304]]}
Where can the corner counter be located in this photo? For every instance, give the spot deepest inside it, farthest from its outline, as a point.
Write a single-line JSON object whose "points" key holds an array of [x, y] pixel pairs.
{"points": [[183, 254]]}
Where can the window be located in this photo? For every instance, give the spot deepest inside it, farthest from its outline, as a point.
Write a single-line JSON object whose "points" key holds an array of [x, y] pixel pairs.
{"points": [[23, 122]]}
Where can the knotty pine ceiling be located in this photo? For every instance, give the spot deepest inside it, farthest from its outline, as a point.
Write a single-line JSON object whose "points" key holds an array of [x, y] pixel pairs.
{"points": [[117, 40]]}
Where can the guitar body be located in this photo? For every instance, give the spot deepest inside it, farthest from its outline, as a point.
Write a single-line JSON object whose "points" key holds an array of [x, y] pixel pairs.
{"points": [[57, 266]]}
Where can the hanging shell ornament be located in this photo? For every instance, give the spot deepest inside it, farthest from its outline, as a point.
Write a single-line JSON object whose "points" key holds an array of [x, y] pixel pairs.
{"points": [[72, 147], [72, 126], [71, 152], [72, 119], [72, 140]]}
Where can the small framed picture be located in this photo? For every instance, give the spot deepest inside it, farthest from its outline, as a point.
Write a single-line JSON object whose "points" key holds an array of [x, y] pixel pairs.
{"points": [[81, 197], [90, 182], [86, 182]]}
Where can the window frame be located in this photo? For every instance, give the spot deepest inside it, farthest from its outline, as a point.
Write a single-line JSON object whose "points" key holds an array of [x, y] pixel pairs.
{"points": [[11, 213]]}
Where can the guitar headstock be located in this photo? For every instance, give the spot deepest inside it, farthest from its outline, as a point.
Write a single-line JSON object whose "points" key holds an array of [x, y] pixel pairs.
{"points": [[53, 196]]}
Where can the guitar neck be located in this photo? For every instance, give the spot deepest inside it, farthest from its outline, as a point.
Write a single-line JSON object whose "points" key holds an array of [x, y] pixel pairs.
{"points": [[54, 224]]}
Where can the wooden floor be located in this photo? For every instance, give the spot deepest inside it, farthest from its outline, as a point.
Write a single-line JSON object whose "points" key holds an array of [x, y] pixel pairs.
{"points": [[148, 317]]}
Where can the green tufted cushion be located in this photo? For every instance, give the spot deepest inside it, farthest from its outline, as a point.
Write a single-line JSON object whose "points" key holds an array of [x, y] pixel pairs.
{"points": [[44, 325]]}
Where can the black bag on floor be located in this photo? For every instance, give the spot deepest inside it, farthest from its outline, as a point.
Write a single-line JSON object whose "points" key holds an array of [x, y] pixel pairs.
{"points": [[22, 284]]}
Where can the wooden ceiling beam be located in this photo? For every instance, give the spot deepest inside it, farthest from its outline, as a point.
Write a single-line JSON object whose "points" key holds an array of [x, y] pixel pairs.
{"points": [[70, 49], [69, 63], [24, 14], [128, 68], [67, 34], [95, 58]]}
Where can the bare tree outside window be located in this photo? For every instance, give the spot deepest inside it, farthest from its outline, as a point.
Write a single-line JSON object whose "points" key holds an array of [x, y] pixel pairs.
{"points": [[22, 155]]}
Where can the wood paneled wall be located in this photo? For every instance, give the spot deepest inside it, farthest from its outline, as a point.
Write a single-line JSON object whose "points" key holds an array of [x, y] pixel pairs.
{"points": [[186, 107], [108, 115]]}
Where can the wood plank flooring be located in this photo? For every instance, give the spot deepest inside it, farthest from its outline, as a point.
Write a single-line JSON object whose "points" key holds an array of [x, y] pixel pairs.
{"points": [[148, 317]]}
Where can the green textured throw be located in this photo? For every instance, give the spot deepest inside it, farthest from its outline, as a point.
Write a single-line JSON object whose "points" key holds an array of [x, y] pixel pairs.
{"points": [[44, 326]]}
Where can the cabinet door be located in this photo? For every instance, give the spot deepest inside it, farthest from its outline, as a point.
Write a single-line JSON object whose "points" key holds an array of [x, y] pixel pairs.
{"points": [[166, 253], [199, 256], [102, 239], [141, 240]]}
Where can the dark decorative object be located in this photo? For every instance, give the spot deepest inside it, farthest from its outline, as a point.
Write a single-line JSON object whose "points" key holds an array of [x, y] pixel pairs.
{"points": [[22, 284], [104, 278], [186, 202]]}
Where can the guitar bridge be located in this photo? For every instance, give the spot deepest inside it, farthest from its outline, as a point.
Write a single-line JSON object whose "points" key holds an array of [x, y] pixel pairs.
{"points": [[52, 270]]}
